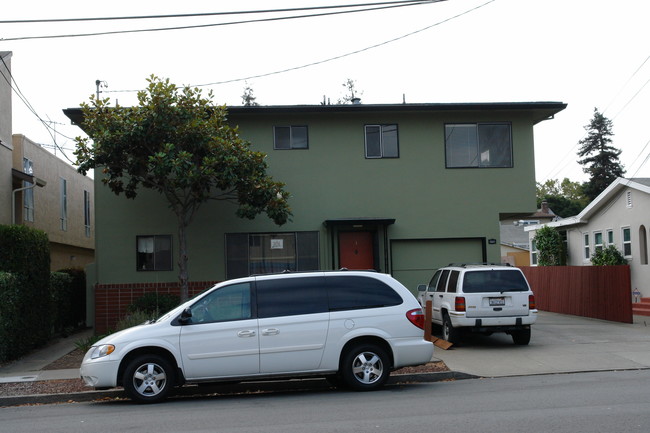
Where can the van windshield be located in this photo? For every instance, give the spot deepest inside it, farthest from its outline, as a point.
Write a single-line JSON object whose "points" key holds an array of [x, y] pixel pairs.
{"points": [[494, 281]]}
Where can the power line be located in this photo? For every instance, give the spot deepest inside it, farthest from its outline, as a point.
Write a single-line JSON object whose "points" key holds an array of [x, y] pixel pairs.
{"points": [[29, 106], [330, 59], [206, 14], [116, 32]]}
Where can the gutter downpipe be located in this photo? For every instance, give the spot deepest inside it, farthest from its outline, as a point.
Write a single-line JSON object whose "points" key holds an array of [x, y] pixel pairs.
{"points": [[38, 182]]}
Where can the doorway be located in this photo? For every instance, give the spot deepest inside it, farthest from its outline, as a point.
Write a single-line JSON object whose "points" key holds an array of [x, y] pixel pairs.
{"points": [[357, 250]]}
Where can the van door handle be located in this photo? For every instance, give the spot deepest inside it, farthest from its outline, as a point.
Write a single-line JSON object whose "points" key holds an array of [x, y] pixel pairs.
{"points": [[271, 331], [440, 296], [247, 333]]}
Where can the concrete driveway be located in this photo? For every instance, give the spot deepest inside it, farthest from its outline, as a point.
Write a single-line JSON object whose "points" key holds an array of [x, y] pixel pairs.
{"points": [[559, 344]]}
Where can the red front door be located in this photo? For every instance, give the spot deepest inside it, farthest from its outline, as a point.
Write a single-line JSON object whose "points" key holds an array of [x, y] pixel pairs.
{"points": [[356, 250]]}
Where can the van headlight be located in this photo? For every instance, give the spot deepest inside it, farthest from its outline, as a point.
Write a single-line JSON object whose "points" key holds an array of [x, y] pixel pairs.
{"points": [[101, 351]]}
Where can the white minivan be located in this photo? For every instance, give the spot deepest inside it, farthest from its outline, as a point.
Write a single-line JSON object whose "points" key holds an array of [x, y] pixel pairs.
{"points": [[353, 327]]}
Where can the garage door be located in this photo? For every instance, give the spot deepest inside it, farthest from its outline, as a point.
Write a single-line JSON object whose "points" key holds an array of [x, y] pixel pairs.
{"points": [[413, 261]]}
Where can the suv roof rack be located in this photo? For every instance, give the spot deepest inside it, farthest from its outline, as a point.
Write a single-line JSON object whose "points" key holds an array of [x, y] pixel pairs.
{"points": [[289, 271], [464, 265]]}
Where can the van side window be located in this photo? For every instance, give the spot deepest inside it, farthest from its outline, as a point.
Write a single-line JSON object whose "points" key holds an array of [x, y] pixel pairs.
{"points": [[453, 281], [442, 282], [225, 304], [353, 293], [290, 297]]}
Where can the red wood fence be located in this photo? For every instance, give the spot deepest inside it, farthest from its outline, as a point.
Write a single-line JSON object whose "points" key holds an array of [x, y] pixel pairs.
{"points": [[600, 292]]}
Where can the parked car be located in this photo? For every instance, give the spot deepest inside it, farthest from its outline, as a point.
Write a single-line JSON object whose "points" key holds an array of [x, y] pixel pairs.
{"points": [[480, 298], [352, 327]]}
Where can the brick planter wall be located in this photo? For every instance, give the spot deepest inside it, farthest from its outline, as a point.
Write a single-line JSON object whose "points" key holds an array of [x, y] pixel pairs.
{"points": [[111, 300]]}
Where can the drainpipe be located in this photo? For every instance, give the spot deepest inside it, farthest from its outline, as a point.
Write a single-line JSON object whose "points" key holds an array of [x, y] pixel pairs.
{"points": [[38, 182]]}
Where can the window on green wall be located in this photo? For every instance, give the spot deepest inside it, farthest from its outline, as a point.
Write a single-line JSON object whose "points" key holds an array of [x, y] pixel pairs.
{"points": [[264, 253], [154, 253], [478, 145], [381, 141], [290, 137]]}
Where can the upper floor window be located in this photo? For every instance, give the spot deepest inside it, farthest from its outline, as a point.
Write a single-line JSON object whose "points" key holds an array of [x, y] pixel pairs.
{"points": [[154, 253], [63, 203], [481, 145], [381, 141], [290, 137], [28, 194], [87, 213]]}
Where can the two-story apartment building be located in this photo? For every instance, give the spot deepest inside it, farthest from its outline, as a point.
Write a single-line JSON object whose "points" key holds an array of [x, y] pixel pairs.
{"points": [[401, 189]]}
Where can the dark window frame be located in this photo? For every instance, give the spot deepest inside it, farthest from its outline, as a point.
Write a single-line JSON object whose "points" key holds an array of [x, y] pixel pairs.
{"points": [[141, 262], [477, 126], [293, 143], [382, 132]]}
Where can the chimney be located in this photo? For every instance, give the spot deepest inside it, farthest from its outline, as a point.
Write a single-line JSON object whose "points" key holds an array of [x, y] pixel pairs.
{"points": [[545, 207]]}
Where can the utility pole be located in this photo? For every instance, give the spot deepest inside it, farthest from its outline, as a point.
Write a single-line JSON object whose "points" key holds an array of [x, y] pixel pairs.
{"points": [[100, 85]]}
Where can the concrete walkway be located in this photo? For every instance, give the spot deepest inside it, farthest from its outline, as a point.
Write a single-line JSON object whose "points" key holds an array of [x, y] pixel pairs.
{"points": [[559, 344], [30, 368]]}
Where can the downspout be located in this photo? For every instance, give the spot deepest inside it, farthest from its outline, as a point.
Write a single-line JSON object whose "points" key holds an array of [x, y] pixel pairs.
{"points": [[38, 182]]}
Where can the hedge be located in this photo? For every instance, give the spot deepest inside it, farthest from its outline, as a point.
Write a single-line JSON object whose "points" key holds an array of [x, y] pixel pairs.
{"points": [[10, 323], [25, 253]]}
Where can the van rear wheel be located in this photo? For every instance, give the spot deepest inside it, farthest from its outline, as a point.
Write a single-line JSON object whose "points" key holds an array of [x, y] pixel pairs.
{"points": [[365, 367]]}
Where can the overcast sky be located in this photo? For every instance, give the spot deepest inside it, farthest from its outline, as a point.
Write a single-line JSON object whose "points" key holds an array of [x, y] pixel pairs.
{"points": [[586, 53]]}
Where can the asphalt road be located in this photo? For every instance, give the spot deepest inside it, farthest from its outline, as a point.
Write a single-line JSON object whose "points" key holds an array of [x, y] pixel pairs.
{"points": [[580, 402]]}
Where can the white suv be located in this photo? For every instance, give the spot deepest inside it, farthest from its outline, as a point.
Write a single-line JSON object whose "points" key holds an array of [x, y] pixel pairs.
{"points": [[351, 327], [480, 298]]}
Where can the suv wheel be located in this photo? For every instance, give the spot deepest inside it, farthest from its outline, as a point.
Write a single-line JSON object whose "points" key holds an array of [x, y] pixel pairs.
{"points": [[522, 337], [365, 367], [449, 333], [148, 379]]}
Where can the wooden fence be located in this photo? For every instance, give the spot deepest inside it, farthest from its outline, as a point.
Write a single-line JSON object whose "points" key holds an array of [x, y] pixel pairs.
{"points": [[600, 292]]}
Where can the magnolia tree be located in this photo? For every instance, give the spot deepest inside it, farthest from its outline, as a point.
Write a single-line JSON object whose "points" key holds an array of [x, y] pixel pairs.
{"points": [[178, 143]]}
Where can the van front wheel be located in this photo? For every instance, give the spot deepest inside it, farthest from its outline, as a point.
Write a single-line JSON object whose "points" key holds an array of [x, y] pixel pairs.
{"points": [[148, 379]]}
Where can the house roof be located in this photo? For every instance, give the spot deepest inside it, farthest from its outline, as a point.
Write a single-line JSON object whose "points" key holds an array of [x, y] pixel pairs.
{"points": [[539, 110], [638, 183]]}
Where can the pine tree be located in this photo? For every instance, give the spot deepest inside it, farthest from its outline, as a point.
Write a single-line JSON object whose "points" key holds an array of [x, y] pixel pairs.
{"points": [[600, 159]]}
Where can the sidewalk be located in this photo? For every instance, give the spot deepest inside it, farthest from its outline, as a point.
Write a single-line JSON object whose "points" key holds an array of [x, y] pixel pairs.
{"points": [[30, 368]]}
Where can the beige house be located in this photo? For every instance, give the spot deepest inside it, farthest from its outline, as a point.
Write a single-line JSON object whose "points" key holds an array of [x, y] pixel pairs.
{"points": [[619, 216], [39, 190], [5, 140], [62, 207]]}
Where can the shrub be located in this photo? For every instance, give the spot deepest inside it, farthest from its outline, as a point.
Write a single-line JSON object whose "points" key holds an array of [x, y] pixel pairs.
{"points": [[25, 253], [154, 303], [10, 326], [608, 256], [133, 318], [550, 247], [61, 292]]}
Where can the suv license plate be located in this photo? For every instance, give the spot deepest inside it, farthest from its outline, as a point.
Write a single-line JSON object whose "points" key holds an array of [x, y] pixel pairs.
{"points": [[495, 302]]}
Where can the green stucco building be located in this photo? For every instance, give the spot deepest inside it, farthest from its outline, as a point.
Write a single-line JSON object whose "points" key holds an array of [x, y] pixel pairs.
{"points": [[401, 188]]}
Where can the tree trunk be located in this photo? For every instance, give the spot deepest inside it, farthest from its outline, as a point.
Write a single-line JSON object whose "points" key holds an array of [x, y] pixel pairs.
{"points": [[182, 260]]}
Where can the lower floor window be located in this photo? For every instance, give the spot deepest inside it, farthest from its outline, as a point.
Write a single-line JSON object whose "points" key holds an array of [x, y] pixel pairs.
{"points": [[265, 253], [154, 253]]}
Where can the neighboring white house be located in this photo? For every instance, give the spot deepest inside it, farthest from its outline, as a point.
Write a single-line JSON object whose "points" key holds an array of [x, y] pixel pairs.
{"points": [[619, 216]]}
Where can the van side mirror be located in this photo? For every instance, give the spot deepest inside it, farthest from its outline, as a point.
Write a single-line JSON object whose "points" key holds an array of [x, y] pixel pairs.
{"points": [[186, 316], [422, 287]]}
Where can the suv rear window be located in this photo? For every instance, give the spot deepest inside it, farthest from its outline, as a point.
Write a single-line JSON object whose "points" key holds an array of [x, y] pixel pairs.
{"points": [[353, 293], [494, 281]]}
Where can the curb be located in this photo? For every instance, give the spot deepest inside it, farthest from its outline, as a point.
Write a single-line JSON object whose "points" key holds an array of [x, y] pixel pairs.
{"points": [[192, 390]]}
